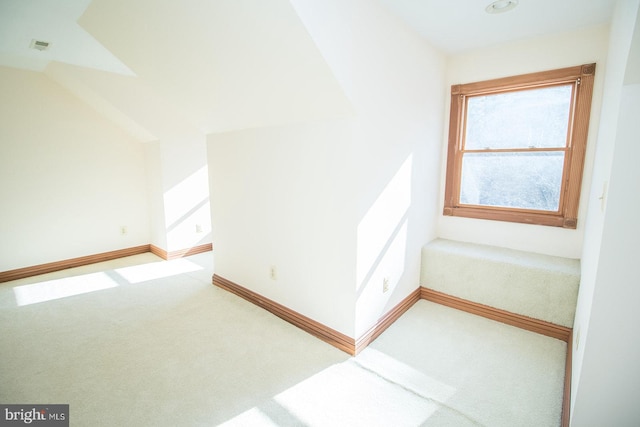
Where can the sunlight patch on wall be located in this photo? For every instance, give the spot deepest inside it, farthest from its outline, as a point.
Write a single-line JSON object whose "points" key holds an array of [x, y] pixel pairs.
{"points": [[62, 288], [381, 248], [157, 270], [187, 211], [389, 267], [380, 227], [186, 195], [192, 228]]}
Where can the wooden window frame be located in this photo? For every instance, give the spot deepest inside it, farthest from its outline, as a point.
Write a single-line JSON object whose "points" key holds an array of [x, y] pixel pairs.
{"points": [[582, 76]]}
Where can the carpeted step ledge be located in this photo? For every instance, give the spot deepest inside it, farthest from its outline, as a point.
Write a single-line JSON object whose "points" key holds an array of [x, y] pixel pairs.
{"points": [[539, 286]]}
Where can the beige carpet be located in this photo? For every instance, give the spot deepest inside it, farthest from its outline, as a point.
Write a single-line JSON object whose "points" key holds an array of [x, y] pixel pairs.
{"points": [[145, 342], [540, 286]]}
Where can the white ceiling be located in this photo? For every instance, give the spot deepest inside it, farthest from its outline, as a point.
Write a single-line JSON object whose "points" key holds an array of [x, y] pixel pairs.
{"points": [[223, 64], [192, 66], [450, 25], [164, 70], [454, 26], [55, 22]]}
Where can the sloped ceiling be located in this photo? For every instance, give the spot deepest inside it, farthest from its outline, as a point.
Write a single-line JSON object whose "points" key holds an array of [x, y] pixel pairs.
{"points": [[21, 21], [164, 70], [126, 100], [180, 69], [225, 64]]}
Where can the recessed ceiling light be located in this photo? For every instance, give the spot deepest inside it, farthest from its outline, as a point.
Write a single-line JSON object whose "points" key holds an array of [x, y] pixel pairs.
{"points": [[501, 6]]}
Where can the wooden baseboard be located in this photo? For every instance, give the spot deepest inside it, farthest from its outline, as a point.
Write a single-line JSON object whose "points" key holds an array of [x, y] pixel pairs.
{"points": [[387, 320], [353, 347], [530, 324], [317, 329], [180, 253], [330, 336], [190, 251], [566, 396], [50, 267], [159, 252]]}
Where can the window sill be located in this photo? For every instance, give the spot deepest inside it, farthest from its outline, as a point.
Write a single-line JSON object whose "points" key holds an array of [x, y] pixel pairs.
{"points": [[553, 220]]}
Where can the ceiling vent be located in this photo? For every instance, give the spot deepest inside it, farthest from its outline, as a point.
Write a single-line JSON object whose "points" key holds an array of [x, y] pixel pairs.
{"points": [[39, 45]]}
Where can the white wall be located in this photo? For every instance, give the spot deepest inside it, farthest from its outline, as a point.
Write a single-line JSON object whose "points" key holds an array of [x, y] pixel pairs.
{"points": [[69, 179], [564, 50], [176, 154], [185, 193], [282, 197], [609, 374], [394, 80], [155, 191], [338, 205], [606, 378]]}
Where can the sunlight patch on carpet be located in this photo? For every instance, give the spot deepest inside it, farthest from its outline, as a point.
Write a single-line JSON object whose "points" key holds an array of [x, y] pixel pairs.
{"points": [[62, 288], [157, 270], [404, 375], [252, 417], [384, 390], [329, 397]]}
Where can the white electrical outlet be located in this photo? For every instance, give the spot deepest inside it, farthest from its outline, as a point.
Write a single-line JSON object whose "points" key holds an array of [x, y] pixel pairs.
{"points": [[273, 273], [385, 285], [198, 228], [124, 230]]}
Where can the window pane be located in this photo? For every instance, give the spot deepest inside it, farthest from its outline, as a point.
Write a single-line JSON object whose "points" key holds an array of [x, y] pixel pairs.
{"points": [[514, 180], [528, 118]]}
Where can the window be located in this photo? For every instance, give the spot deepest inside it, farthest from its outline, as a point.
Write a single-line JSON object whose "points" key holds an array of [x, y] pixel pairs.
{"points": [[517, 146]]}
